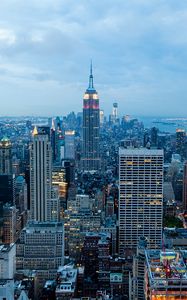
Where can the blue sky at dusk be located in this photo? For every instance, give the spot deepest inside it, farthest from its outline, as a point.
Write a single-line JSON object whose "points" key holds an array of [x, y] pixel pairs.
{"points": [[138, 48]]}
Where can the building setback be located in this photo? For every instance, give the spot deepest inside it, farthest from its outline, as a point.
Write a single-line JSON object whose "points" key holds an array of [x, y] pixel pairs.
{"points": [[91, 125]]}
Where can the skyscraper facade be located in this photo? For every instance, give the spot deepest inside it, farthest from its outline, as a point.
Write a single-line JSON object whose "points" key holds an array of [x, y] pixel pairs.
{"points": [[5, 156], [140, 197], [181, 142], [69, 144], [185, 186], [40, 176], [91, 125]]}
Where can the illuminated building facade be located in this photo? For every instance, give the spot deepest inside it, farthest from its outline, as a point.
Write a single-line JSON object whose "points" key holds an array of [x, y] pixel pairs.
{"points": [[165, 275], [91, 125], [140, 197], [5, 156]]}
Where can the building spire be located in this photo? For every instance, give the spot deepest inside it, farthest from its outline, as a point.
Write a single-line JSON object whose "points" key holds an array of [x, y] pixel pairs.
{"points": [[35, 131], [91, 77]]}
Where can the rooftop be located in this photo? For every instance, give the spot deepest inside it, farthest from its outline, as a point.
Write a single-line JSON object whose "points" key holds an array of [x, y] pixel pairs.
{"points": [[43, 227], [6, 248], [140, 151], [166, 268], [67, 277]]}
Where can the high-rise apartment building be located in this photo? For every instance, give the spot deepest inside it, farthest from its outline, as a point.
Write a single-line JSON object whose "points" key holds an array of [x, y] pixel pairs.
{"points": [[91, 125], [40, 177], [5, 156], [140, 197]]}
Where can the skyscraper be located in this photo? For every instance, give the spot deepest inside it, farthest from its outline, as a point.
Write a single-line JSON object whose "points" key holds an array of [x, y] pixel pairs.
{"points": [[5, 157], [69, 144], [40, 176], [140, 197], [181, 142], [185, 186], [91, 125]]}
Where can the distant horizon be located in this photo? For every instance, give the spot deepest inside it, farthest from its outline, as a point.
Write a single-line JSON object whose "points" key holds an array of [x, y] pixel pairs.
{"points": [[172, 117], [138, 49]]}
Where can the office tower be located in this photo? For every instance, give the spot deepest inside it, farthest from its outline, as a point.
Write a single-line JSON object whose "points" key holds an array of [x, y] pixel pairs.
{"points": [[96, 259], [54, 205], [140, 197], [53, 141], [59, 181], [154, 137], [69, 144], [21, 194], [5, 157], [60, 148], [185, 187], [6, 189], [101, 116], [7, 261], [58, 124], [40, 176], [6, 196], [181, 142], [7, 271], [41, 248], [69, 166], [137, 283], [90, 151], [115, 111], [9, 224]]}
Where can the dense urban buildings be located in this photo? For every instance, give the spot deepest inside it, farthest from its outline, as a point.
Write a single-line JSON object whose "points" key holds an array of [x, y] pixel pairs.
{"points": [[92, 205]]}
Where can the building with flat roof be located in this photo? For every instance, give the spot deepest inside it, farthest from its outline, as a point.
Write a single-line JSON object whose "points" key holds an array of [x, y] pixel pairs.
{"points": [[41, 248], [7, 261], [66, 282], [140, 198], [165, 274]]}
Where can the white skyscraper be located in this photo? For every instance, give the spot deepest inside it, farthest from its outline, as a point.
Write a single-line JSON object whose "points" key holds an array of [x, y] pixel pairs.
{"points": [[40, 177], [140, 197]]}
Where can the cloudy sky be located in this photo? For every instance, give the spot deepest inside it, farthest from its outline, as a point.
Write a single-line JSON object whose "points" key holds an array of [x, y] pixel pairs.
{"points": [[138, 48]]}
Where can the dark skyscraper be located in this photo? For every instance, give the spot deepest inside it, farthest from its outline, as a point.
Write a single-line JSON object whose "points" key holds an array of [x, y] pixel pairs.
{"points": [[91, 124], [5, 157], [181, 142]]}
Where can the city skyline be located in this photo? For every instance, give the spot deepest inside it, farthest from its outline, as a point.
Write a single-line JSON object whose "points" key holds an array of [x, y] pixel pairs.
{"points": [[138, 50]]}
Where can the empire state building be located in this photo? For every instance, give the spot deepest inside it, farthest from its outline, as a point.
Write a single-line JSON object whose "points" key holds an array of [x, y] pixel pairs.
{"points": [[90, 152]]}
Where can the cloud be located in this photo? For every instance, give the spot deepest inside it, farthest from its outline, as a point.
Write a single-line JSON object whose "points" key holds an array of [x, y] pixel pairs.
{"points": [[138, 47]]}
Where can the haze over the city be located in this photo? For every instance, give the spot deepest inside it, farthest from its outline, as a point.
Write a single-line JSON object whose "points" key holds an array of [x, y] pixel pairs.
{"points": [[138, 48]]}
